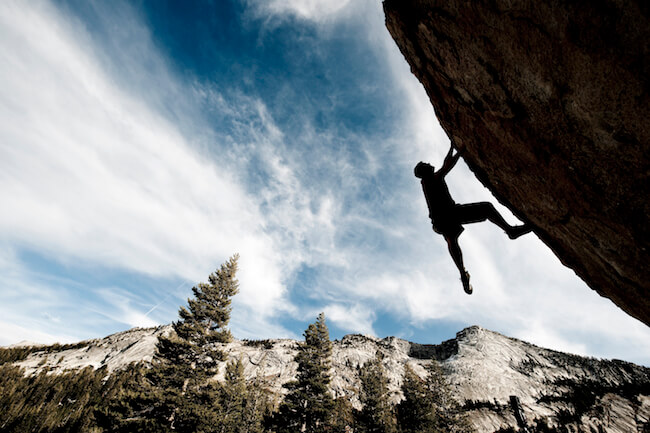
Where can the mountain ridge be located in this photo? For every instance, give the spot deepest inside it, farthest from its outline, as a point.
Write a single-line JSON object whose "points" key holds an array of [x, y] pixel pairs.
{"points": [[483, 367]]}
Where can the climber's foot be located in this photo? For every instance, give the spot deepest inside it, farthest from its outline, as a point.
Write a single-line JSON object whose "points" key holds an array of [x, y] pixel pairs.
{"points": [[521, 230], [466, 285]]}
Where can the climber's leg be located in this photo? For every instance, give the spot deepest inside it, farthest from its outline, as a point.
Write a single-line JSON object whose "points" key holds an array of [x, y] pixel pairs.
{"points": [[457, 256], [477, 212]]}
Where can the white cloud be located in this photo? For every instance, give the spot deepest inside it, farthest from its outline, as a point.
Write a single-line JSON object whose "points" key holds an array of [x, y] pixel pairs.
{"points": [[93, 174], [27, 300], [96, 173], [312, 10], [119, 306], [419, 128], [354, 319], [11, 333], [543, 336]]}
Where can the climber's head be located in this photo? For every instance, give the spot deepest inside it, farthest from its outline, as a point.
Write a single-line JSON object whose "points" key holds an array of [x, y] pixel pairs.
{"points": [[423, 169]]}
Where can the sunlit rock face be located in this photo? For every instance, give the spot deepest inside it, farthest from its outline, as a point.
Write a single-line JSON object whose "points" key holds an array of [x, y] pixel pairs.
{"points": [[549, 103], [484, 369]]}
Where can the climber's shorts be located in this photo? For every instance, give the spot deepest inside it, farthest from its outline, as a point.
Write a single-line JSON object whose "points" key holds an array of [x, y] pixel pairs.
{"points": [[450, 229]]}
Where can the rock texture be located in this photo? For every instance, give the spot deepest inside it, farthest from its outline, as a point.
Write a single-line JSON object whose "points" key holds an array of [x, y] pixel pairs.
{"points": [[484, 368], [115, 351], [549, 104]]}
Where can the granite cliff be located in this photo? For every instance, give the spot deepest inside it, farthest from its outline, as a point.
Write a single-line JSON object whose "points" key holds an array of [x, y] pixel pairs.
{"points": [[484, 368], [549, 104]]}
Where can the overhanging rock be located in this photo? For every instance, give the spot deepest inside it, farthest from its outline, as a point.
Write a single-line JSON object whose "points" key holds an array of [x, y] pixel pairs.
{"points": [[549, 103]]}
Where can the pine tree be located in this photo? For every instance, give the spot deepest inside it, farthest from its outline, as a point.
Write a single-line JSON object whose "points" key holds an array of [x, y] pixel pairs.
{"points": [[377, 414], [126, 410], [233, 396], [242, 403], [343, 413], [416, 413], [51, 402], [428, 405], [258, 405], [450, 418], [308, 405], [209, 312], [177, 393]]}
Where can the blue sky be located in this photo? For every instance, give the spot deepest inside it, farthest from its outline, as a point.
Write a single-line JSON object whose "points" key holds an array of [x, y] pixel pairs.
{"points": [[143, 143]]}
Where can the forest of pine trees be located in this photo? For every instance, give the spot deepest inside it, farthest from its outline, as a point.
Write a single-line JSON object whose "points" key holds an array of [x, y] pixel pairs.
{"points": [[177, 391]]}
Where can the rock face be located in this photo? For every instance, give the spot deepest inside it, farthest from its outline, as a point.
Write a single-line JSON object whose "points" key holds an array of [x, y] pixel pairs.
{"points": [[484, 368], [115, 351], [549, 104]]}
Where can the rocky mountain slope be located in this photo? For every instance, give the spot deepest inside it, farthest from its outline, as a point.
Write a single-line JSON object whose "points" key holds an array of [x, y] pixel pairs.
{"points": [[549, 104], [484, 368]]}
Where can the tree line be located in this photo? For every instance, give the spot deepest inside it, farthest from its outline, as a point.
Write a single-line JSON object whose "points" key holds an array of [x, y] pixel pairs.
{"points": [[177, 391]]}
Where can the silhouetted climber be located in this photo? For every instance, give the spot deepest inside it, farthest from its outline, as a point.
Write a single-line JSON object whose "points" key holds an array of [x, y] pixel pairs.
{"points": [[448, 217]]}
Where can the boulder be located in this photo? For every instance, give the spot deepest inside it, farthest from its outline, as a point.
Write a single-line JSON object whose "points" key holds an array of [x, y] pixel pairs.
{"points": [[549, 104]]}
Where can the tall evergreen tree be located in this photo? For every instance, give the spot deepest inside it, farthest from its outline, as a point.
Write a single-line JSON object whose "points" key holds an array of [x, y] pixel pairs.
{"points": [[178, 394], [377, 414], [242, 403], [428, 405], [343, 416], [308, 405], [209, 312], [450, 417], [233, 396], [258, 404], [415, 413]]}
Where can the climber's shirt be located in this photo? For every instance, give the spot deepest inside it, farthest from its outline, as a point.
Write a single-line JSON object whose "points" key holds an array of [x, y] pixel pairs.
{"points": [[442, 208]]}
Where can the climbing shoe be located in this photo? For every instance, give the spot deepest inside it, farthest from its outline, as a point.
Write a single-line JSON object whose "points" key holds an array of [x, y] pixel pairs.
{"points": [[521, 230], [466, 285]]}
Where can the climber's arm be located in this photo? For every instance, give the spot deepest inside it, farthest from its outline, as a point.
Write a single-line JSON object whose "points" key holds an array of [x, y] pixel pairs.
{"points": [[450, 160]]}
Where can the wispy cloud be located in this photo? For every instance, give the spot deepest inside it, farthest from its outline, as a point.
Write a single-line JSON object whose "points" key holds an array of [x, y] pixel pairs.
{"points": [[355, 318], [12, 333], [124, 307], [95, 175], [521, 288], [313, 10], [111, 160]]}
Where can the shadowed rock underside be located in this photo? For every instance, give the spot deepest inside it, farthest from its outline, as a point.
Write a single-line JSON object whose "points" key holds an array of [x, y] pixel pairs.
{"points": [[548, 101]]}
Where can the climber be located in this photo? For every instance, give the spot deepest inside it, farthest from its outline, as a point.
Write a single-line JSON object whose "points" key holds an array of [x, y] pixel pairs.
{"points": [[448, 217]]}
